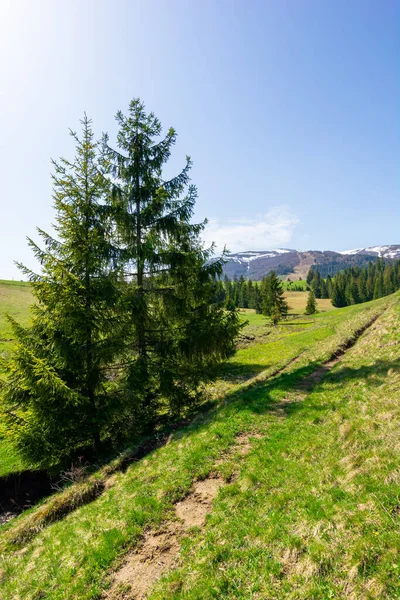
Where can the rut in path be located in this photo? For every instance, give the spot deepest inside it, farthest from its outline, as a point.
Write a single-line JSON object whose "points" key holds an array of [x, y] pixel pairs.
{"points": [[159, 550], [310, 381]]}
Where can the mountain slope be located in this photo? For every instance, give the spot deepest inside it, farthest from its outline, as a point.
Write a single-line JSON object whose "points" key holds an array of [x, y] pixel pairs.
{"points": [[294, 264]]}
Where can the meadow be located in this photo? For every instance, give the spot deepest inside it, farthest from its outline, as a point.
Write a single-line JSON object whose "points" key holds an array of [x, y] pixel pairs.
{"points": [[15, 300], [298, 447], [297, 302]]}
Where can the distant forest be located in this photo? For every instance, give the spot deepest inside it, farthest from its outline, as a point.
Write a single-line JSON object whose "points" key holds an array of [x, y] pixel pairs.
{"points": [[355, 284], [350, 286]]}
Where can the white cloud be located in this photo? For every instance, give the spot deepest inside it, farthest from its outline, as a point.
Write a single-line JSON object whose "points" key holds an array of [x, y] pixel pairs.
{"points": [[271, 230]]}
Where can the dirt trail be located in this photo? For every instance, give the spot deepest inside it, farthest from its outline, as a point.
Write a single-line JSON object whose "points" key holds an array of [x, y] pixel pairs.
{"points": [[306, 385], [159, 550]]}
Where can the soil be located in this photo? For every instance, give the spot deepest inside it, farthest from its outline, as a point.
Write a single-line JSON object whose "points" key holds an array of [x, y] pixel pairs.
{"points": [[159, 550]]}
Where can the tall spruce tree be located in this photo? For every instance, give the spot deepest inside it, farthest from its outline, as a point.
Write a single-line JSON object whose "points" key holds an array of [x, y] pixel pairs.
{"points": [[175, 332], [56, 396]]}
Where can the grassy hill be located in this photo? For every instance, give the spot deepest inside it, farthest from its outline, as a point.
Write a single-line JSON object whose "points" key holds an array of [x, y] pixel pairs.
{"points": [[287, 486]]}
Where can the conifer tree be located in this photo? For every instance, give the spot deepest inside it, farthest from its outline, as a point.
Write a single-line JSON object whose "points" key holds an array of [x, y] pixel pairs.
{"points": [[257, 299], [56, 396], [243, 293], [175, 333], [311, 307], [329, 286], [338, 297], [378, 286], [250, 293], [273, 303]]}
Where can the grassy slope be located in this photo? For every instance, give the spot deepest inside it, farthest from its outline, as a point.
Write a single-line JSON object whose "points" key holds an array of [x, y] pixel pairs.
{"points": [[15, 299], [311, 514], [315, 511]]}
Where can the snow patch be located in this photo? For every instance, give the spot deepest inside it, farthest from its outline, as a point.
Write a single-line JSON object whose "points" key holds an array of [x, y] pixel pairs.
{"points": [[249, 255], [380, 250], [355, 251]]}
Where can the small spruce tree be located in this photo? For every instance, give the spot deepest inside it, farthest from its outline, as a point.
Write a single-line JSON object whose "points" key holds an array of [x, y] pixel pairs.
{"points": [[311, 307], [273, 303]]}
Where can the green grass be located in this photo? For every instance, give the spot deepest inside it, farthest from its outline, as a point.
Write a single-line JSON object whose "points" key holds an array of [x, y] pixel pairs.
{"points": [[273, 347], [15, 300], [299, 284], [313, 512]]}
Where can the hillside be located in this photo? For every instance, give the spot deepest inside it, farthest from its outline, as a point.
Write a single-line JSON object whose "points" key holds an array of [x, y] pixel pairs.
{"points": [[295, 264], [15, 299], [287, 486]]}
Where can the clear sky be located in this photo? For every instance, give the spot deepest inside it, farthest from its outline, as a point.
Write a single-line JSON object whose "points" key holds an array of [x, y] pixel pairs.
{"points": [[290, 110]]}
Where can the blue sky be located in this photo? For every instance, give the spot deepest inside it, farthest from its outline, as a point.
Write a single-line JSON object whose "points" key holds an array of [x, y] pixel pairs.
{"points": [[288, 108]]}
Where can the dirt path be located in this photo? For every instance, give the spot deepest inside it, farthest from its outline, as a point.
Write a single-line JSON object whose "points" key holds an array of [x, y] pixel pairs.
{"points": [[159, 550]]}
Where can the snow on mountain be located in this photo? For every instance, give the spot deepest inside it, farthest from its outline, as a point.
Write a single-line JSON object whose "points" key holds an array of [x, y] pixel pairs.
{"points": [[391, 251], [254, 264], [349, 252], [248, 256]]}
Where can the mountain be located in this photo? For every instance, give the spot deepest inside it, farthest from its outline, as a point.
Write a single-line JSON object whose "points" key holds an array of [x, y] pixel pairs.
{"points": [[389, 252], [295, 264]]}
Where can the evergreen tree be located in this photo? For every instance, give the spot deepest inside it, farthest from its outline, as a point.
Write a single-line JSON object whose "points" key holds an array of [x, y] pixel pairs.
{"points": [[243, 293], [362, 286], [273, 303], [388, 280], [175, 333], [329, 286], [228, 293], [338, 296], [357, 284], [311, 307], [317, 284], [257, 299], [56, 396], [378, 286]]}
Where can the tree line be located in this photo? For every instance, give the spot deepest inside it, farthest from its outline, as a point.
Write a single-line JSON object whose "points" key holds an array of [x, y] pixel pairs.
{"points": [[350, 286], [127, 323], [265, 297], [356, 284]]}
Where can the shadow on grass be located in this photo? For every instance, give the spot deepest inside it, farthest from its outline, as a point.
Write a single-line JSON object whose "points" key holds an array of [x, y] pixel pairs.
{"points": [[372, 374], [255, 397], [239, 372]]}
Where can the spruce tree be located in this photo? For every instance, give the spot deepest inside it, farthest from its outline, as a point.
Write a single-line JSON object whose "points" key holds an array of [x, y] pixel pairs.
{"points": [[378, 286], [273, 303], [311, 307], [257, 299], [56, 395], [243, 293], [175, 333], [329, 286], [338, 295]]}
